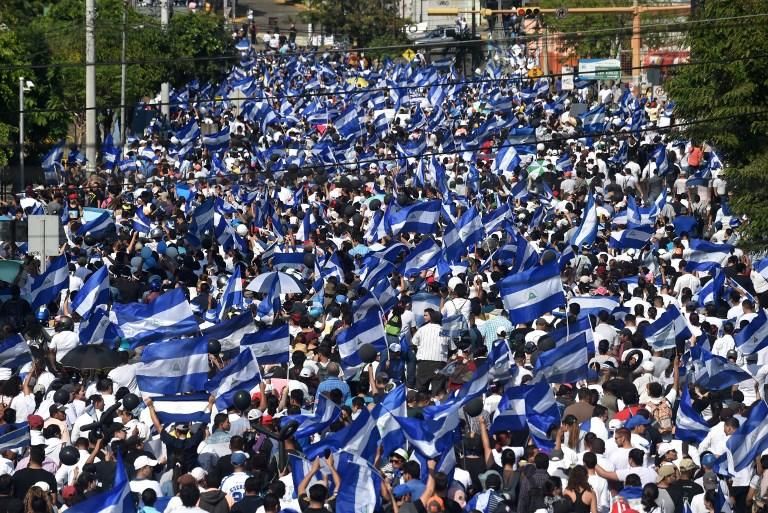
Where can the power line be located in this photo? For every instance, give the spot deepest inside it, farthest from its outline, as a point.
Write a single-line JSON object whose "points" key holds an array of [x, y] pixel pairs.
{"points": [[314, 94], [668, 27]]}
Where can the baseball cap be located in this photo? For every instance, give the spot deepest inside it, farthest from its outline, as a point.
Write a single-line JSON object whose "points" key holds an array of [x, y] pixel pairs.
{"points": [[665, 448], [239, 458], [68, 492], [144, 461], [401, 453], [255, 414], [182, 426], [501, 331], [35, 421], [198, 473], [394, 347], [43, 486], [637, 420], [666, 470], [687, 465]]}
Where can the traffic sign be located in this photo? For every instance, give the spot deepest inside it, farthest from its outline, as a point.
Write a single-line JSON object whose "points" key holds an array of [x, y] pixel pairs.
{"points": [[409, 54], [561, 12]]}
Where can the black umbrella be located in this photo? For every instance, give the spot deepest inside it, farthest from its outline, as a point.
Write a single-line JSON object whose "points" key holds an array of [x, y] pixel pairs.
{"points": [[91, 357]]}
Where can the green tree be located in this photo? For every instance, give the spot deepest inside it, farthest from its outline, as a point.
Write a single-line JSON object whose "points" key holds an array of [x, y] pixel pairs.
{"points": [[724, 98], [361, 21]]}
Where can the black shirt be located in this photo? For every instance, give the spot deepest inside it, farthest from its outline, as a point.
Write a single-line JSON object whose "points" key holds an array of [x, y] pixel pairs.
{"points": [[248, 504], [25, 478], [9, 504]]}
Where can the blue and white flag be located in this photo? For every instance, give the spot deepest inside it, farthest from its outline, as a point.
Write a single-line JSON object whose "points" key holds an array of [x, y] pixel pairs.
{"points": [[521, 404], [173, 366], [109, 153], [506, 159], [385, 413], [703, 255], [659, 156], [325, 414], [47, 286], [690, 426], [419, 217], [712, 290], [717, 373], [98, 328], [170, 315], [360, 438], [141, 222], [750, 440], [761, 266], [232, 297], [182, 409], [217, 141], [360, 485], [269, 345], [530, 294], [99, 226], [188, 134], [470, 227], [95, 292], [593, 305], [667, 329], [484, 502], [16, 438], [14, 352], [368, 330], [230, 332], [570, 331], [565, 364], [117, 499], [633, 237], [422, 257], [53, 157], [593, 120], [754, 336], [242, 373], [586, 233]]}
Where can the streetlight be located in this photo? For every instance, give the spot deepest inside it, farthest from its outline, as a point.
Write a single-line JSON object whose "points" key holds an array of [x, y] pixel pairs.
{"points": [[24, 86]]}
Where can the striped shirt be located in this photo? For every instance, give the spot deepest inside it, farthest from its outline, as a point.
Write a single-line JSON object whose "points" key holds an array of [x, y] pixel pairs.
{"points": [[431, 345], [491, 326]]}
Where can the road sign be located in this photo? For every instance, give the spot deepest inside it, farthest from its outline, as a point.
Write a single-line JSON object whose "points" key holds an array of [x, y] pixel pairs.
{"points": [[409, 54], [561, 12]]}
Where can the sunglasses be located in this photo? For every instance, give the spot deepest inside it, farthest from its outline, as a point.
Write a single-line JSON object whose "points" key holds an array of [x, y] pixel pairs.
{"points": [[396, 460]]}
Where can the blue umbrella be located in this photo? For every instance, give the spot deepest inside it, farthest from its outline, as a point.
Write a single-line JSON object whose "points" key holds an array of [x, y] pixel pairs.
{"points": [[284, 283]]}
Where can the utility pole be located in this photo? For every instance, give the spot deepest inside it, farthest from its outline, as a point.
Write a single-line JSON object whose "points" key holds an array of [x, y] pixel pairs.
{"points": [[165, 93], [21, 133], [123, 78], [635, 10], [90, 86]]}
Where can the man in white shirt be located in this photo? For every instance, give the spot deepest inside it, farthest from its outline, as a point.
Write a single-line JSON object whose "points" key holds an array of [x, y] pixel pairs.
{"points": [[635, 461], [599, 485], [725, 343], [143, 480]]}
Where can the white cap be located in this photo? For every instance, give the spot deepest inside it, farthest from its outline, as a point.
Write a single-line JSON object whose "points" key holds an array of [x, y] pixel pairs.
{"points": [[43, 486], [144, 461], [198, 473], [615, 424], [453, 282]]}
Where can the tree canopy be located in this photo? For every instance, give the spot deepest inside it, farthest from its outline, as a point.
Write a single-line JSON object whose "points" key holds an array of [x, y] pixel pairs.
{"points": [[723, 99], [46, 45]]}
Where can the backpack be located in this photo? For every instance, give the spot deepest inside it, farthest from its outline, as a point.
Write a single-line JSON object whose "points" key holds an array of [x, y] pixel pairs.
{"points": [[662, 414]]}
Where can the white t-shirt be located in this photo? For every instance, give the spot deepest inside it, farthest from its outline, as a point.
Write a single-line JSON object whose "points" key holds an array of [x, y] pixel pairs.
{"points": [[234, 485], [646, 475], [63, 342], [139, 485]]}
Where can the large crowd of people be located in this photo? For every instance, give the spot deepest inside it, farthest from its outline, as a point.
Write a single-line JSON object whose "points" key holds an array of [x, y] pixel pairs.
{"points": [[361, 246]]}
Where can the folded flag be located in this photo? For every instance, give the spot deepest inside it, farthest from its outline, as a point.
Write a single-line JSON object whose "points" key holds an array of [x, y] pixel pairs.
{"points": [[269, 345], [230, 332], [16, 438], [419, 217], [14, 352], [566, 363], [703, 255], [99, 226], [95, 292], [325, 414], [754, 336], [368, 330], [750, 440], [667, 329], [47, 286], [117, 499], [170, 315], [242, 373], [173, 366], [532, 293], [690, 426]]}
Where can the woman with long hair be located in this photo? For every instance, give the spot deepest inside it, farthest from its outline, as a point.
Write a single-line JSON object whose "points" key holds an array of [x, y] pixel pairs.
{"points": [[579, 492], [37, 501], [649, 497]]}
